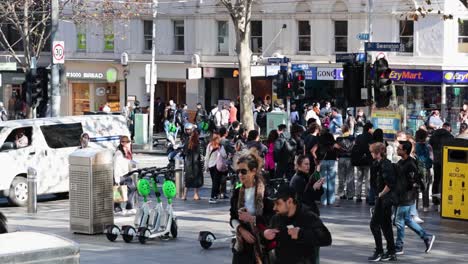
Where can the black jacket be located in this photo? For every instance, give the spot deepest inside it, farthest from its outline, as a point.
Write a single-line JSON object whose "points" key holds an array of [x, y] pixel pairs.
{"points": [[438, 138], [346, 145], [409, 171], [312, 233], [302, 183], [383, 173], [200, 116]]}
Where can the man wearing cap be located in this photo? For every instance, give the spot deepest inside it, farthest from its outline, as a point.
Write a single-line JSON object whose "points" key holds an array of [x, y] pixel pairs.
{"points": [[295, 229]]}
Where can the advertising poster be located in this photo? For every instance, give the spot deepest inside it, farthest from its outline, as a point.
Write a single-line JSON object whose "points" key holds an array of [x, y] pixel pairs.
{"points": [[388, 121]]}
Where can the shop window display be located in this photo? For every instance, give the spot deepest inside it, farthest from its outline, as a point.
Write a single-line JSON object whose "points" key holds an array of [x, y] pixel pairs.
{"points": [[456, 97], [421, 100]]}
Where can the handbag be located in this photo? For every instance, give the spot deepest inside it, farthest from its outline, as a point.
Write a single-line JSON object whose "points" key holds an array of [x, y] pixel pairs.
{"points": [[120, 193]]}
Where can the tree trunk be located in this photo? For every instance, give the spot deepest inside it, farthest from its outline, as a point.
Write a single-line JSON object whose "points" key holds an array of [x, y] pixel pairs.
{"points": [[245, 84]]}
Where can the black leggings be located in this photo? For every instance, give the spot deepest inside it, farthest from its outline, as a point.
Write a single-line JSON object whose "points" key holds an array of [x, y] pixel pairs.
{"points": [[216, 182]]}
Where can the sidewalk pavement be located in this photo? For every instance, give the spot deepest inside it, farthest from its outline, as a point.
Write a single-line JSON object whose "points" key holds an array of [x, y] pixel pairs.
{"points": [[348, 224]]}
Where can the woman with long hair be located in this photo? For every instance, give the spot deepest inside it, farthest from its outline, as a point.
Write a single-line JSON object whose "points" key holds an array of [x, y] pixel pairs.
{"points": [[214, 149], [193, 165], [269, 157], [123, 160], [250, 210]]}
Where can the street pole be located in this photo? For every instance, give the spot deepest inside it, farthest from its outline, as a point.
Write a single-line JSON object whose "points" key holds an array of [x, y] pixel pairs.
{"points": [[288, 102], [152, 78], [370, 8], [55, 73]]}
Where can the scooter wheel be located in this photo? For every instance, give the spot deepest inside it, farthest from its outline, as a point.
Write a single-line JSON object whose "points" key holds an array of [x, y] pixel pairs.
{"points": [[206, 240], [174, 228], [128, 233], [143, 234], [112, 232]]}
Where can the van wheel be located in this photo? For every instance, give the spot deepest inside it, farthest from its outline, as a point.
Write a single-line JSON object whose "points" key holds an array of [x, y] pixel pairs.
{"points": [[18, 192]]}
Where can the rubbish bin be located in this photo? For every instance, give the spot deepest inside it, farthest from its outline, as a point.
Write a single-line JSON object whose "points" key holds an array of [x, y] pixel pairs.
{"points": [[454, 197], [91, 199], [141, 129]]}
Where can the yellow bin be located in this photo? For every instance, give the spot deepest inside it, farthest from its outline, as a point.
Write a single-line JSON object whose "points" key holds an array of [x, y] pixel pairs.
{"points": [[455, 180]]}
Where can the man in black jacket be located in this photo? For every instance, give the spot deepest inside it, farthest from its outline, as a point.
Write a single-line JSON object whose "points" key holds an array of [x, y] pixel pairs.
{"points": [[298, 232], [410, 181], [438, 138], [383, 182], [283, 154], [363, 162]]}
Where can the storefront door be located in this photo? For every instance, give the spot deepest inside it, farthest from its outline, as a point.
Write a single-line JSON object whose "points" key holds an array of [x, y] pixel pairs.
{"points": [[80, 99]]}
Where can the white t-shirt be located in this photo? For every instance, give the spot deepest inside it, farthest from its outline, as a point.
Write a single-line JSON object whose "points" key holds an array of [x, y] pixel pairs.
{"points": [[249, 198]]}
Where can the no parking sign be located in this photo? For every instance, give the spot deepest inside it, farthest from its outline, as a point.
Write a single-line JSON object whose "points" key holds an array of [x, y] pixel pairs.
{"points": [[58, 52]]}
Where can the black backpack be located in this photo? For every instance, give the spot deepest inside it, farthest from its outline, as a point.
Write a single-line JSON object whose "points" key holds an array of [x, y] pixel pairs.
{"points": [[360, 154]]}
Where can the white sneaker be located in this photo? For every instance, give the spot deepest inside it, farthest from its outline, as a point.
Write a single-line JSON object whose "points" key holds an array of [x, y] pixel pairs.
{"points": [[212, 201], [417, 220]]}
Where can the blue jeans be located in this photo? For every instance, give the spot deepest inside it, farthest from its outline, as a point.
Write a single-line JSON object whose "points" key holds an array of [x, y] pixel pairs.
{"points": [[402, 218], [414, 210], [328, 171]]}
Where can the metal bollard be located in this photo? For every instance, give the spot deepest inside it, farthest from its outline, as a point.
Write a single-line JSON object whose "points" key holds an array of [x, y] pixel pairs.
{"points": [[179, 180], [32, 190]]}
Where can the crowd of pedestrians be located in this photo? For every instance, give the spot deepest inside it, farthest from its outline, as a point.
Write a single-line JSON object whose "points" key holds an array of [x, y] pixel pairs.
{"points": [[284, 177]]}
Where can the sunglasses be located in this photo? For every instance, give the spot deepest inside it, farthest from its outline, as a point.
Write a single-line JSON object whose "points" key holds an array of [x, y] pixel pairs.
{"points": [[242, 171]]}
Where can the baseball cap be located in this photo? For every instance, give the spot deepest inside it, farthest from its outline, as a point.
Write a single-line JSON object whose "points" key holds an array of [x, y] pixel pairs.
{"points": [[282, 191]]}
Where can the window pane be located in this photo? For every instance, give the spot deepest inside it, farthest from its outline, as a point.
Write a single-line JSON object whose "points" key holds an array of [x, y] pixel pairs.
{"points": [[180, 43], [463, 28], [463, 45], [148, 44], [341, 44], [222, 28], [406, 28], [62, 135], [341, 28], [408, 41], [304, 43], [304, 28], [256, 44], [256, 28], [148, 27]]}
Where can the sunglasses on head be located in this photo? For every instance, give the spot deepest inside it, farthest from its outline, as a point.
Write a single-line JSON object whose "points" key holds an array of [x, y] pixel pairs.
{"points": [[242, 171]]}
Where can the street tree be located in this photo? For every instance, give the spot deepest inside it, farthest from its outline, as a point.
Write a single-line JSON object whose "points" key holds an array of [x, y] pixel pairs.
{"points": [[24, 29], [240, 12]]}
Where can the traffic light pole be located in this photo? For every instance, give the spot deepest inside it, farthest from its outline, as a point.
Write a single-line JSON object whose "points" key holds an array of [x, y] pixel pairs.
{"points": [[370, 9], [288, 103]]}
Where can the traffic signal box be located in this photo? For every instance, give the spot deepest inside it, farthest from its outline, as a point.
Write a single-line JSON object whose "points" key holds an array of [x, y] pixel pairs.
{"points": [[382, 82], [353, 82], [298, 84], [36, 87]]}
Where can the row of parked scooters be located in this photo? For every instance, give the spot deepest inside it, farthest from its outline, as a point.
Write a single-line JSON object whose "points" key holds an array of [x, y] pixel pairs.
{"points": [[153, 219]]}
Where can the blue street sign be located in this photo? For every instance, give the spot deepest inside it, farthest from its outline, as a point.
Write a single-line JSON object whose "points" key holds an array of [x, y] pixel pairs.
{"points": [[279, 60], [385, 46], [363, 36], [350, 57]]}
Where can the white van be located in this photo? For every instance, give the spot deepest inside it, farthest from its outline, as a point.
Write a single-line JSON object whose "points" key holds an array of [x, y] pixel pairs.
{"points": [[50, 142]]}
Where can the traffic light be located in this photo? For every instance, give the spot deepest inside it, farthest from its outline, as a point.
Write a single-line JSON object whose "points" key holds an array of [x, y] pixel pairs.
{"points": [[289, 85], [36, 87], [353, 82], [382, 81], [299, 83], [278, 84]]}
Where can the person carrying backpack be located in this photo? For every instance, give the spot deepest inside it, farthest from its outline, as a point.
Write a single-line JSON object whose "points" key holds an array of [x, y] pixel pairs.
{"points": [[284, 150], [424, 158], [383, 182], [408, 183], [362, 159], [345, 170]]}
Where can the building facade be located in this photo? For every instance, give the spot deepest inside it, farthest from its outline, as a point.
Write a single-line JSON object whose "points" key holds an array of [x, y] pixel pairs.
{"points": [[429, 73]]}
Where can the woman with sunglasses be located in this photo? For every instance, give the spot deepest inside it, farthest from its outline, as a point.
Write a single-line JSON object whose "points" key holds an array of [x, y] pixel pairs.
{"points": [[123, 161], [250, 210]]}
